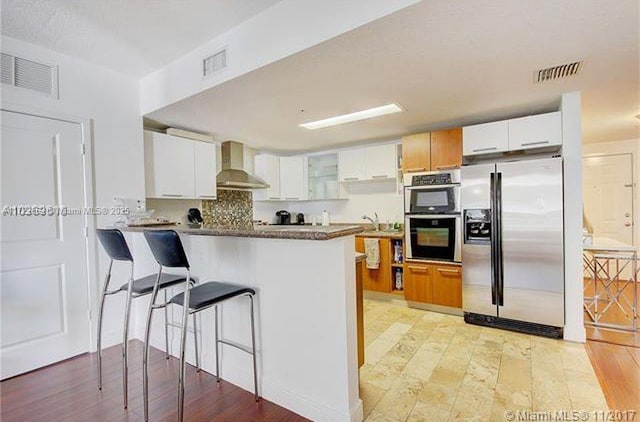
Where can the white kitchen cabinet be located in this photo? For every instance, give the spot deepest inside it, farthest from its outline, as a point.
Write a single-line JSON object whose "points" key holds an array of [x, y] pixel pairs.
{"points": [[351, 165], [536, 131], [485, 138], [169, 166], [205, 169], [368, 163], [292, 178], [267, 167], [380, 162]]}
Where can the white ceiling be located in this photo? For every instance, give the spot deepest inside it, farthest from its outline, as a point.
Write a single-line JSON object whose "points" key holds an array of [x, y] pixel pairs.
{"points": [[447, 62], [131, 36]]}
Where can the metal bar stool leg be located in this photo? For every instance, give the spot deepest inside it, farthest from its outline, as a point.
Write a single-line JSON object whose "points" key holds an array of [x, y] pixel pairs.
{"points": [[166, 326], [100, 314], [145, 356], [217, 348], [253, 351], [125, 342], [183, 343], [195, 340]]}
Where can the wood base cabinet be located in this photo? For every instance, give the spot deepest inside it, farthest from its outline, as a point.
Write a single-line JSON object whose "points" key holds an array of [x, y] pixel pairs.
{"points": [[438, 284], [379, 279]]}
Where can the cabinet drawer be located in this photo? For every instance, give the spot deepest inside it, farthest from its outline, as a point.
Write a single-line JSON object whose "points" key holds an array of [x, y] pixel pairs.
{"points": [[418, 280], [537, 131], [447, 285], [486, 138]]}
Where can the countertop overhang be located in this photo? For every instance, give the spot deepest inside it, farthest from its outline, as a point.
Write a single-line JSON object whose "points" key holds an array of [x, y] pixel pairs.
{"points": [[262, 232]]}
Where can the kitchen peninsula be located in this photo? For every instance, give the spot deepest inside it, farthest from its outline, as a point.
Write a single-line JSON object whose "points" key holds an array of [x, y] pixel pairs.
{"points": [[306, 311]]}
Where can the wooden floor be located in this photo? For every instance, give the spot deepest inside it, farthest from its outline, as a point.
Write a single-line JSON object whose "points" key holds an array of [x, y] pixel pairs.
{"points": [[618, 371], [67, 391]]}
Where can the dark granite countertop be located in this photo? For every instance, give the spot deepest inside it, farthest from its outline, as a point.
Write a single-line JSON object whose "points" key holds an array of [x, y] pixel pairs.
{"points": [[268, 232]]}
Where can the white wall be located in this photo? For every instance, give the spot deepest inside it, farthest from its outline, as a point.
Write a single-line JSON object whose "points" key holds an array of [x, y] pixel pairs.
{"points": [[364, 198], [284, 29], [572, 155], [111, 101], [630, 146]]}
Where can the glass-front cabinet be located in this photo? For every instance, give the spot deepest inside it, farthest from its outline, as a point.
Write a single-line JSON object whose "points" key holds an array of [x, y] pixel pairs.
{"points": [[323, 177]]}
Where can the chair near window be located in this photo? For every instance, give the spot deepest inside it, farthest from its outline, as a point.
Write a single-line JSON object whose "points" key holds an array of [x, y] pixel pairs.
{"points": [[168, 251], [117, 250]]}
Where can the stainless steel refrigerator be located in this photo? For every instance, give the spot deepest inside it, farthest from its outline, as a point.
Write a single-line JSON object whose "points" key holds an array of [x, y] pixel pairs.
{"points": [[513, 247]]}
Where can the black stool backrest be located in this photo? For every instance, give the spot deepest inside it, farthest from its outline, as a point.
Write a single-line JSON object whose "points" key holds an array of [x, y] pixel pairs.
{"points": [[166, 247], [114, 244]]}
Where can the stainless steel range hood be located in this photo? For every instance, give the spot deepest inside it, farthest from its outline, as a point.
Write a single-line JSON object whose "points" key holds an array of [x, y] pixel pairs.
{"points": [[233, 175]]}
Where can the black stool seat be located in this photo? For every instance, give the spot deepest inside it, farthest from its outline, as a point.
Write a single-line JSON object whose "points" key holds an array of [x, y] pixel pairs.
{"points": [[210, 293], [145, 284]]}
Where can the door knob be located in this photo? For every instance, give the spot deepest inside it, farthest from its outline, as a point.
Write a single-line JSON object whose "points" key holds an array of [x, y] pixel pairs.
{"points": [[627, 215], [627, 224]]}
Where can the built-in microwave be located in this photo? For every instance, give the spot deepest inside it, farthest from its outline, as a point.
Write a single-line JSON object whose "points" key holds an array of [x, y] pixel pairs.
{"points": [[432, 193], [433, 237]]}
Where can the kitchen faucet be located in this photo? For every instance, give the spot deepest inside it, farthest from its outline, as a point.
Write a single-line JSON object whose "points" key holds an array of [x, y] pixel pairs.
{"points": [[376, 222]]}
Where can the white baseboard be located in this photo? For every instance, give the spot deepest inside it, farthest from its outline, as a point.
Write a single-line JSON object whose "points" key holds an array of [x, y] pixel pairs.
{"points": [[304, 406]]}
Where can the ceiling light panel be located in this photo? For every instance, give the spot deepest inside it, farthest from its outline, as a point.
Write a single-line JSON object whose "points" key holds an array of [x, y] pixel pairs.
{"points": [[353, 117]]}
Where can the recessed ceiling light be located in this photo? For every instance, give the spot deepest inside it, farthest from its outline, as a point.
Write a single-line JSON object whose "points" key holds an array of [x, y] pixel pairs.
{"points": [[354, 117]]}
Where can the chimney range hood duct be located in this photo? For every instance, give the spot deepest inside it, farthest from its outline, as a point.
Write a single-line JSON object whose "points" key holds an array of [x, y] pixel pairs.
{"points": [[233, 175]]}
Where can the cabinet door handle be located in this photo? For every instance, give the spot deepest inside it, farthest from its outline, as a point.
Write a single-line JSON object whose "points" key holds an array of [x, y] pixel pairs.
{"points": [[417, 269], [351, 178], [382, 176], [528, 144], [207, 196], [446, 270], [414, 169], [485, 149], [447, 167], [172, 195], [295, 197]]}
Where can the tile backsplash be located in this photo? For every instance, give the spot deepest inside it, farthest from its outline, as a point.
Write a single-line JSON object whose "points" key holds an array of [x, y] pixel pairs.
{"points": [[231, 209]]}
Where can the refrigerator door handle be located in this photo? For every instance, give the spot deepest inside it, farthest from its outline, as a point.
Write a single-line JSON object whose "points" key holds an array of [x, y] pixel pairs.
{"points": [[492, 205], [499, 260]]}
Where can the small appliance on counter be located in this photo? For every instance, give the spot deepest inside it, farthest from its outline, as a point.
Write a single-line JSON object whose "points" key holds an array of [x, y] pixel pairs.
{"points": [[283, 217], [194, 217], [300, 219]]}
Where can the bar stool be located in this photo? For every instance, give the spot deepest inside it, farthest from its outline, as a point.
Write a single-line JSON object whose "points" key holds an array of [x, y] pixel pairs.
{"points": [[168, 251], [117, 249]]}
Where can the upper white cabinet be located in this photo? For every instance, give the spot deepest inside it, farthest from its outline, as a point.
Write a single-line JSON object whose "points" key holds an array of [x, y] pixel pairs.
{"points": [[369, 163], [485, 138], [179, 168], [267, 167], [292, 178], [168, 167], [535, 131], [542, 130], [351, 165], [205, 170], [380, 162]]}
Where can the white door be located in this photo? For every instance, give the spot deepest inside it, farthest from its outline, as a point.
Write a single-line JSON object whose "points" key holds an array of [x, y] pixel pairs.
{"points": [[608, 196], [43, 274]]}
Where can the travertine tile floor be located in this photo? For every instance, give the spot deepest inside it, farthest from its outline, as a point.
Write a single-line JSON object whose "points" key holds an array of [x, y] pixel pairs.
{"points": [[426, 366]]}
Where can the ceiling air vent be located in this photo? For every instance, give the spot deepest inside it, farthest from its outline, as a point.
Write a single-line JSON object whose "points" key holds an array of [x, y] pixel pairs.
{"points": [[214, 63], [557, 72], [23, 73]]}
